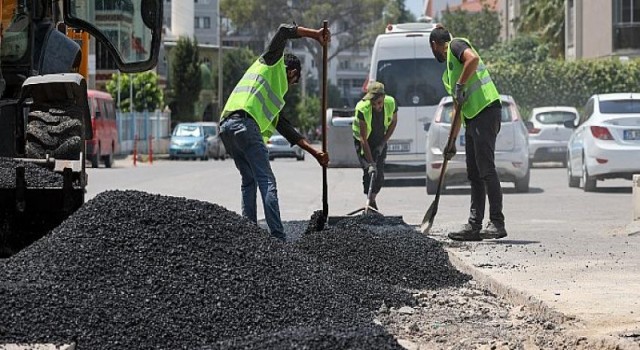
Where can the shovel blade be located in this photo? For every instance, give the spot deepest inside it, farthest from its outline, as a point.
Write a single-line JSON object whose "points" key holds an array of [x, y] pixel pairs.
{"points": [[429, 216]]}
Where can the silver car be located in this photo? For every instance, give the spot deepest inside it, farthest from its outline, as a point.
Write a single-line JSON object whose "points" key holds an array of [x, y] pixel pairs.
{"points": [[279, 147], [512, 148], [548, 135], [215, 147]]}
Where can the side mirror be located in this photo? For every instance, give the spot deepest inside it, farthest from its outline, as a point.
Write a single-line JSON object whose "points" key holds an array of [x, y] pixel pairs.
{"points": [[129, 29], [570, 124], [528, 124]]}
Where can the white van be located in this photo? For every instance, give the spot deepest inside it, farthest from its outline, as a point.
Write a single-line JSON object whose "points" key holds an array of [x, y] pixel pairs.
{"points": [[402, 60]]}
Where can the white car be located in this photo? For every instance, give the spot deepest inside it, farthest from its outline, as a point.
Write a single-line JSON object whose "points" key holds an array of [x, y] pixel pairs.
{"points": [[606, 143], [548, 135], [512, 148]]}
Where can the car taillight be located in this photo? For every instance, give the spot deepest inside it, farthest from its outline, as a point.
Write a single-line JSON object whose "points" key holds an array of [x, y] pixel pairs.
{"points": [[600, 132], [534, 131]]}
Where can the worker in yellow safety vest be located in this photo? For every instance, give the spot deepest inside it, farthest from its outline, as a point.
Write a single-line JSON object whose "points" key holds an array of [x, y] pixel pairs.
{"points": [[467, 79], [252, 114], [375, 120]]}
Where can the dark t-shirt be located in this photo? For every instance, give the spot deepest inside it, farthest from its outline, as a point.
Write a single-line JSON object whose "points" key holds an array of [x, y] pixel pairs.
{"points": [[376, 137]]}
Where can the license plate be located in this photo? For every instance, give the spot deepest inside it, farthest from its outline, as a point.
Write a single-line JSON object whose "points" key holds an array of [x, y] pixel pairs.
{"points": [[632, 134], [398, 147]]}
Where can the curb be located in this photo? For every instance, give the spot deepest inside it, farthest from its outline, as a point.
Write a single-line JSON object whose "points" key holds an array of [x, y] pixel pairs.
{"points": [[540, 309]]}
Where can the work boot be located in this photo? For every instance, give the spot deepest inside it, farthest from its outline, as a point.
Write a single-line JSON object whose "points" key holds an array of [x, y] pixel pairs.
{"points": [[373, 205], [281, 237], [468, 233], [493, 231]]}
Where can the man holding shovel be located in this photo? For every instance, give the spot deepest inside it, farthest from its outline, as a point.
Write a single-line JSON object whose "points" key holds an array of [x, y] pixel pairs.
{"points": [[375, 120], [251, 115], [467, 79]]}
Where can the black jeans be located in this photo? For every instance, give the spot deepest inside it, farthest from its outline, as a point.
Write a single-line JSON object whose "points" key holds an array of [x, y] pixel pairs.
{"points": [[379, 159], [480, 145]]}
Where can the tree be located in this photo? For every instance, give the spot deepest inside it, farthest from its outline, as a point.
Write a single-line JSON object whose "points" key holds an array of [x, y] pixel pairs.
{"points": [[397, 12], [481, 28], [546, 19], [234, 63], [308, 111], [354, 23], [523, 49], [146, 93], [186, 82]]}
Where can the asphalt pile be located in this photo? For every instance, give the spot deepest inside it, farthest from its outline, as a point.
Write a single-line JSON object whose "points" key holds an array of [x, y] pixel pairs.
{"points": [[136, 270], [384, 249], [35, 175]]}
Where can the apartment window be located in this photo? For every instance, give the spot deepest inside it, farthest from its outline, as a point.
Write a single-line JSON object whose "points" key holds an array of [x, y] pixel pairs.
{"points": [[206, 22], [196, 22], [626, 24]]}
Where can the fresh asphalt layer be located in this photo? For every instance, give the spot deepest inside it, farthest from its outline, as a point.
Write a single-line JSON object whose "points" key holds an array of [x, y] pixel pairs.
{"points": [[570, 251]]}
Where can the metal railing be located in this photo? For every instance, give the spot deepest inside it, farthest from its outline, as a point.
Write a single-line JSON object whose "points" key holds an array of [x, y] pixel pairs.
{"points": [[141, 126]]}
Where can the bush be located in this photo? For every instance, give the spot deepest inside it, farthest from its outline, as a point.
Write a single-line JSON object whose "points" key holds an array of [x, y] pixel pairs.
{"points": [[563, 83]]}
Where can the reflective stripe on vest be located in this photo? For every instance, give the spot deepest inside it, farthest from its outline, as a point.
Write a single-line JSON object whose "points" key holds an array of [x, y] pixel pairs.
{"points": [[260, 93], [480, 90], [364, 106]]}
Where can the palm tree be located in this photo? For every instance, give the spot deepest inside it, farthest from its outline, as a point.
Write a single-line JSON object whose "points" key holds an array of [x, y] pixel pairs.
{"points": [[545, 18]]}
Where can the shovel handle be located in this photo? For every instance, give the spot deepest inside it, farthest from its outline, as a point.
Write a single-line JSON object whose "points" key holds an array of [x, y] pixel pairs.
{"points": [[325, 195]]}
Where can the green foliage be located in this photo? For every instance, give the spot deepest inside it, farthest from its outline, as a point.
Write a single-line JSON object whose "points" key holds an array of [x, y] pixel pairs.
{"points": [[234, 63], [522, 49], [546, 19], [146, 93], [397, 12], [291, 99], [566, 83], [481, 28], [186, 80], [309, 113]]}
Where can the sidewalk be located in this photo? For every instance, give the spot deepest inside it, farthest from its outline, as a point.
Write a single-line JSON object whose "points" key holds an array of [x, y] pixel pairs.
{"points": [[596, 284]]}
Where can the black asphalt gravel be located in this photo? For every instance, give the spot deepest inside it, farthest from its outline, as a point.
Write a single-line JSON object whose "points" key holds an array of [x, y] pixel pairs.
{"points": [[131, 270], [36, 176]]}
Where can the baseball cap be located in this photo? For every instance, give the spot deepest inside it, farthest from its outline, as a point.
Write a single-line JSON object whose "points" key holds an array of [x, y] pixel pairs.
{"points": [[374, 88]]}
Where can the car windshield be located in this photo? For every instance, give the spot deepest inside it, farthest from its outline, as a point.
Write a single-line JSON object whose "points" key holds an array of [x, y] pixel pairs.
{"points": [[620, 106], [555, 117], [187, 130], [210, 130], [412, 82], [447, 113]]}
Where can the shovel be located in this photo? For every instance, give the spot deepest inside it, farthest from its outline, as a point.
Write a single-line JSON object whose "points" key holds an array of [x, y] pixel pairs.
{"points": [[429, 216], [318, 221]]}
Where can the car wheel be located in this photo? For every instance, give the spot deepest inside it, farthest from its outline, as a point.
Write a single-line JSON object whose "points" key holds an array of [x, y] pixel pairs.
{"points": [[588, 182], [271, 158], [432, 186], [522, 185], [95, 161], [300, 157], [108, 160], [574, 181]]}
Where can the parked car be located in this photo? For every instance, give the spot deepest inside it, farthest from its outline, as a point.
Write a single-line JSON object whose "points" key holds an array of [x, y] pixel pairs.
{"points": [[606, 143], [548, 135], [215, 147], [279, 147], [512, 148], [188, 140]]}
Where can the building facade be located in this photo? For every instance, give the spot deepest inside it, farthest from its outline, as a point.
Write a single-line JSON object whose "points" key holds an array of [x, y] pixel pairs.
{"points": [[597, 29]]}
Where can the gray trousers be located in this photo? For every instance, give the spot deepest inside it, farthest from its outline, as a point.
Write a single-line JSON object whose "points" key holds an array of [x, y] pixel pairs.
{"points": [[379, 158]]}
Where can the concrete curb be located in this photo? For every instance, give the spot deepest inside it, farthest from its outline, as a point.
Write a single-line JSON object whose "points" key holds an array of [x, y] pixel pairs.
{"points": [[540, 309]]}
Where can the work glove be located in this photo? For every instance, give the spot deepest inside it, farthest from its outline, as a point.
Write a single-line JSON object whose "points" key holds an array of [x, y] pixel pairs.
{"points": [[450, 151], [371, 168], [459, 94]]}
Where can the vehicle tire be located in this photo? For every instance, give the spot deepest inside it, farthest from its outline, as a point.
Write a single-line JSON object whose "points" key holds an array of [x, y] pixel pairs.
{"points": [[215, 158], [588, 182], [300, 157], [271, 158], [573, 181], [522, 185], [204, 158], [432, 186], [108, 160], [57, 132], [95, 160], [565, 163]]}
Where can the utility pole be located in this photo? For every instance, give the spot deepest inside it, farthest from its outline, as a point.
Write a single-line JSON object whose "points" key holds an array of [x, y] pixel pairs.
{"points": [[220, 105]]}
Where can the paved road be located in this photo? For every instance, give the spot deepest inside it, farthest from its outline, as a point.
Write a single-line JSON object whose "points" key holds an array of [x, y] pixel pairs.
{"points": [[567, 248]]}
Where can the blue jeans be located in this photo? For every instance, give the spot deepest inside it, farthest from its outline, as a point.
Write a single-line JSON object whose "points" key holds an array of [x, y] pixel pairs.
{"points": [[242, 139]]}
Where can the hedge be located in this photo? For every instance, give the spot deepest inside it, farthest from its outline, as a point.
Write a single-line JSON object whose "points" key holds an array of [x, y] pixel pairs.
{"points": [[564, 83]]}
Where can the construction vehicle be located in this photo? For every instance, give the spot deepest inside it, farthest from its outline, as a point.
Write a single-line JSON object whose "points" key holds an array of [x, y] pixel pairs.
{"points": [[44, 114]]}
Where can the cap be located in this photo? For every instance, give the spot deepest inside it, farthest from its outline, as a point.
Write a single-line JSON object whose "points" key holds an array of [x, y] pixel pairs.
{"points": [[374, 88]]}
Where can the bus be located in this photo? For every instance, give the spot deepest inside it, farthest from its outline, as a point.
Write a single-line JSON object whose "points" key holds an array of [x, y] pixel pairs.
{"points": [[105, 129]]}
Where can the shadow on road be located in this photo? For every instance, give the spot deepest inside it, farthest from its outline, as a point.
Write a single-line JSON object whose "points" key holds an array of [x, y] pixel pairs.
{"points": [[507, 190], [623, 190], [510, 242]]}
